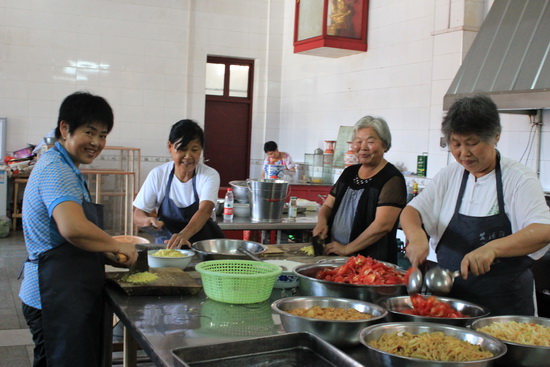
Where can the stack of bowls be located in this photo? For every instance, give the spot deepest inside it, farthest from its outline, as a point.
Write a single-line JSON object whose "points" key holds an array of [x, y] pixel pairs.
{"points": [[240, 190]]}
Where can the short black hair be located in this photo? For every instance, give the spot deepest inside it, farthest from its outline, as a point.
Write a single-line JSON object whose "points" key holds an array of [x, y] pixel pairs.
{"points": [[82, 108], [270, 146], [184, 131], [477, 115]]}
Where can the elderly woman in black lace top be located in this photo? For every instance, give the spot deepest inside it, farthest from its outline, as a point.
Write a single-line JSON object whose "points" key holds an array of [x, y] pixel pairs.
{"points": [[361, 212]]}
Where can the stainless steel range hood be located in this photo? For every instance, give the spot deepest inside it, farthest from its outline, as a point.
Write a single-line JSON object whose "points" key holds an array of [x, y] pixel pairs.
{"points": [[509, 58]]}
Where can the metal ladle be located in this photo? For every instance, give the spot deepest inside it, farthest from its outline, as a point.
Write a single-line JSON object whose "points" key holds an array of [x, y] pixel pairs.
{"points": [[254, 257], [414, 284], [440, 281]]}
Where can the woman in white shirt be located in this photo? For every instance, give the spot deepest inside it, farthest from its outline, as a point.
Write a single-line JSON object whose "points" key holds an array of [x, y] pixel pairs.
{"points": [[183, 192], [484, 215]]}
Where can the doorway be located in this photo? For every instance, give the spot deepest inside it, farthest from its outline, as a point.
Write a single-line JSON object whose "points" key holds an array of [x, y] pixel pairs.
{"points": [[228, 117]]}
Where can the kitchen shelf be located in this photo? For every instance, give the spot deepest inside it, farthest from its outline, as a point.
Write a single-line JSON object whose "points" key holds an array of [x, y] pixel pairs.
{"points": [[115, 190], [119, 158]]}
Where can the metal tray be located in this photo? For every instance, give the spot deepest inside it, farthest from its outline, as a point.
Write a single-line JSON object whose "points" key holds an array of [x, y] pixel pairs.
{"points": [[288, 350]]}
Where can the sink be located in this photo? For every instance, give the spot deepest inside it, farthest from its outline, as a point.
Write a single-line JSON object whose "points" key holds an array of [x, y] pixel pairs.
{"points": [[289, 350]]}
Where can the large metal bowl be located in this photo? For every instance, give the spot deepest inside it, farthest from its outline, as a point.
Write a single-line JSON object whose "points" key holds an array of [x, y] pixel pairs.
{"points": [[385, 359], [310, 286], [241, 191], [520, 355], [395, 306], [223, 248], [339, 333]]}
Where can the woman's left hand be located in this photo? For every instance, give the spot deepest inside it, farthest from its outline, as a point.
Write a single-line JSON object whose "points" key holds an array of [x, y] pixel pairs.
{"points": [[336, 248], [177, 241], [477, 262]]}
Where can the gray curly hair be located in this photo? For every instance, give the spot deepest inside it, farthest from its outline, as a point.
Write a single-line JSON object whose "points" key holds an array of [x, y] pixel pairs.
{"points": [[379, 125]]}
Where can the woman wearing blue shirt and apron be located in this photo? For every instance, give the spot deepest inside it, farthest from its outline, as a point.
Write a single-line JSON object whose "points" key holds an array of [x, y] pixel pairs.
{"points": [[183, 192], [64, 276]]}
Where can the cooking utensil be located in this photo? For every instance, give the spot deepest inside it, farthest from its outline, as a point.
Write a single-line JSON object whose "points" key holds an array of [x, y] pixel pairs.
{"points": [[249, 254], [523, 355], [225, 248], [180, 262], [386, 359], [311, 286], [414, 283], [318, 245], [238, 281], [440, 281], [156, 232], [340, 333], [397, 305]]}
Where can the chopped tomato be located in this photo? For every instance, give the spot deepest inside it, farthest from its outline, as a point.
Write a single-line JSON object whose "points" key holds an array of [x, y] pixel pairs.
{"points": [[362, 270], [431, 307]]}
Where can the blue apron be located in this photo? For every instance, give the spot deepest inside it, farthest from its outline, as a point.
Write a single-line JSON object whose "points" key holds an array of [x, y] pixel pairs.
{"points": [[71, 284], [175, 218], [507, 289]]}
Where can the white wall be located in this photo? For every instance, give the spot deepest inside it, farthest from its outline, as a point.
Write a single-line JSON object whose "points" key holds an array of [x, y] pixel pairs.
{"points": [[148, 59], [415, 49]]}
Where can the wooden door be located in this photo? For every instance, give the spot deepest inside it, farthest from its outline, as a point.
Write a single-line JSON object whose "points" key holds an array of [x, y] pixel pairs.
{"points": [[227, 139], [227, 121]]}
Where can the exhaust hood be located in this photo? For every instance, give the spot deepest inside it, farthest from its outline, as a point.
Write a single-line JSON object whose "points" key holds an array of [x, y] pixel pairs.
{"points": [[509, 59]]}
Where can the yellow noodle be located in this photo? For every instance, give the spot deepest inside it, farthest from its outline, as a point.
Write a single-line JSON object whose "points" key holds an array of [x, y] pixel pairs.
{"points": [[434, 346], [519, 332], [330, 313]]}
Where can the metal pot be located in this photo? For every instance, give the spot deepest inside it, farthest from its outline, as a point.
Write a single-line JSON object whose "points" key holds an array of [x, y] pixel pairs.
{"points": [[311, 286]]}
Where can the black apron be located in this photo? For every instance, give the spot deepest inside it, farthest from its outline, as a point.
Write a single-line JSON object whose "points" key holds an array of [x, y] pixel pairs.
{"points": [[507, 289], [175, 218], [71, 284]]}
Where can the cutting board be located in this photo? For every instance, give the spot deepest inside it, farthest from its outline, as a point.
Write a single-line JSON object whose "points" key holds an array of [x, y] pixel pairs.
{"points": [[170, 282]]}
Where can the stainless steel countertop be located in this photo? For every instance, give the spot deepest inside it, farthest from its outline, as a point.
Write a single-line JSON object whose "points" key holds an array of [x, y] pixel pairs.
{"points": [[305, 220], [160, 324]]}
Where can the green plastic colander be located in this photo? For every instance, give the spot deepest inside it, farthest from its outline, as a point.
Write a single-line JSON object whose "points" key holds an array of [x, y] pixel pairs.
{"points": [[238, 281]]}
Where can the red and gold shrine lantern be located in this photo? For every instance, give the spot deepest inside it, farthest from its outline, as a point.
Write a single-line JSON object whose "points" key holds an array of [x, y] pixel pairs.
{"points": [[331, 28]]}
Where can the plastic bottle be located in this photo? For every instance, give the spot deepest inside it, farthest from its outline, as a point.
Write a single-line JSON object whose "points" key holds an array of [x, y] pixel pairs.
{"points": [[292, 209], [228, 206], [415, 189]]}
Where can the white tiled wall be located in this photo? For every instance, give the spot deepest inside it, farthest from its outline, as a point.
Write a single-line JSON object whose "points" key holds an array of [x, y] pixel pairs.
{"points": [[148, 59]]}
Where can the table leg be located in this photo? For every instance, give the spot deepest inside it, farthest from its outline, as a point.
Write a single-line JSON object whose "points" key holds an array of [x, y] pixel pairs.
{"points": [[130, 350]]}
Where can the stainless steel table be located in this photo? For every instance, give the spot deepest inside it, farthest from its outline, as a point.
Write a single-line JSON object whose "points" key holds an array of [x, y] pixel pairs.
{"points": [[305, 221], [162, 324]]}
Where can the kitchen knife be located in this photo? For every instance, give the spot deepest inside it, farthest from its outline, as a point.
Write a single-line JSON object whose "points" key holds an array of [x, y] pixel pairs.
{"points": [[156, 232], [318, 245]]}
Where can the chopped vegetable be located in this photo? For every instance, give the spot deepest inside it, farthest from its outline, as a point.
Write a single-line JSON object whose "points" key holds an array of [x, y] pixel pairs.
{"points": [[362, 270], [431, 307], [141, 278]]}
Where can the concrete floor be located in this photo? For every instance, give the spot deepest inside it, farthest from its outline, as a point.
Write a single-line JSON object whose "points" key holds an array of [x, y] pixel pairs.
{"points": [[16, 346], [15, 339]]}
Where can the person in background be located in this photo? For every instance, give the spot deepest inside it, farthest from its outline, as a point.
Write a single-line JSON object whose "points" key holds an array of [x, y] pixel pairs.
{"points": [[360, 214], [183, 192], [64, 275], [274, 157], [484, 214]]}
